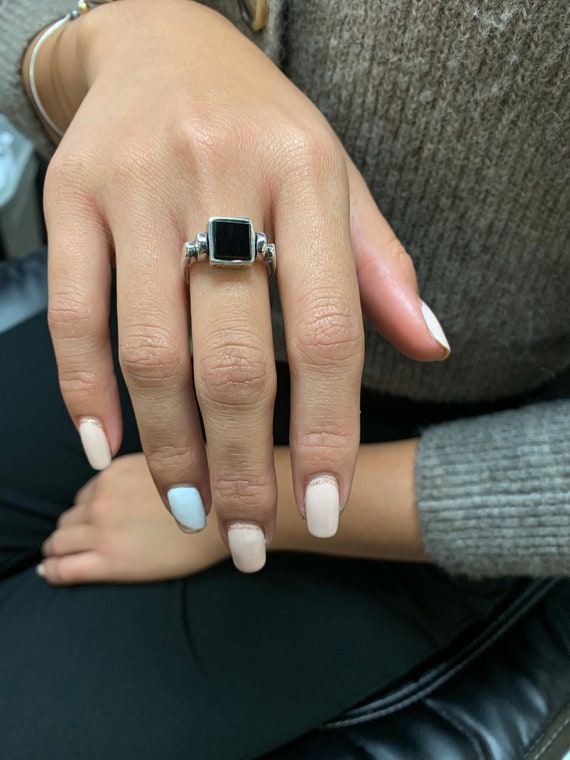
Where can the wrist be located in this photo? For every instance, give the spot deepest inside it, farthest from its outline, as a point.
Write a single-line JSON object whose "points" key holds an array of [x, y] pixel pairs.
{"points": [[58, 71], [381, 519]]}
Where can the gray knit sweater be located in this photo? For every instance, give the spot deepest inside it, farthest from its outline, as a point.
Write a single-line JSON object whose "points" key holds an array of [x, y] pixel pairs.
{"points": [[457, 114]]}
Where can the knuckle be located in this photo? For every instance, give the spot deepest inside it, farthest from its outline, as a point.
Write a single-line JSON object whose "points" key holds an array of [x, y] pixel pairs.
{"points": [[312, 156], [75, 382], [60, 572], [327, 444], [397, 253], [171, 461], [329, 332], [211, 142], [69, 314], [150, 355], [236, 375], [69, 172], [100, 509], [55, 545], [240, 495]]}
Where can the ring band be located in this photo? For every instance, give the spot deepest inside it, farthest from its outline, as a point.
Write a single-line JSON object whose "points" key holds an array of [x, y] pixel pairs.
{"points": [[229, 242]]}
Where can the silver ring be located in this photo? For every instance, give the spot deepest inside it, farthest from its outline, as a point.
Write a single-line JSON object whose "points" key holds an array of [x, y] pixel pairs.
{"points": [[229, 242]]}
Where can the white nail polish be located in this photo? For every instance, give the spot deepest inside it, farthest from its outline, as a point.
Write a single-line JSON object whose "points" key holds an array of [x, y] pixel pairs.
{"points": [[435, 328], [322, 506], [95, 443], [247, 545], [40, 570]]}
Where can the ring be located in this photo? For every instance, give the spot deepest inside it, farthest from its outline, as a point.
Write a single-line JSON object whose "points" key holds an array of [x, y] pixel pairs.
{"points": [[229, 242]]}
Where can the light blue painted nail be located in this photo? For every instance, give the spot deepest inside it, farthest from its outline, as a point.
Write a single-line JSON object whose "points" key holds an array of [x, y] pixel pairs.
{"points": [[187, 507]]}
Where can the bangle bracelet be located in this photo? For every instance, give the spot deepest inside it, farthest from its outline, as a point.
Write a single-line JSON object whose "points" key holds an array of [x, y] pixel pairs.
{"points": [[82, 7]]}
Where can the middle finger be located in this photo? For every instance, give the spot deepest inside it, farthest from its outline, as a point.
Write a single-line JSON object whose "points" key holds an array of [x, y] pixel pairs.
{"points": [[235, 381]]}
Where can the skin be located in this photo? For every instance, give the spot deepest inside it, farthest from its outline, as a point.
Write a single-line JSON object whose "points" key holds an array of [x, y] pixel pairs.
{"points": [[118, 532], [157, 139]]}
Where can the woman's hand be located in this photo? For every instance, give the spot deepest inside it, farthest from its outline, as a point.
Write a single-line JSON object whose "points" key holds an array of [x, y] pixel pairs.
{"points": [[118, 531], [172, 116]]}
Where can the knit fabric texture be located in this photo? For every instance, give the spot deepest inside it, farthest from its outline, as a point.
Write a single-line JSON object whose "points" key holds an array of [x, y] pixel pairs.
{"points": [[19, 24], [457, 114], [507, 509]]}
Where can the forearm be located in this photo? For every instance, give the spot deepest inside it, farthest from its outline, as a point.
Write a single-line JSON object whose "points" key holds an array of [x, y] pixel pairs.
{"points": [[492, 493], [381, 519]]}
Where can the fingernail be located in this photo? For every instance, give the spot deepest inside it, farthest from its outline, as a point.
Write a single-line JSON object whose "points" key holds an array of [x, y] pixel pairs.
{"points": [[435, 328], [40, 570], [322, 506], [247, 545], [95, 443], [187, 507]]}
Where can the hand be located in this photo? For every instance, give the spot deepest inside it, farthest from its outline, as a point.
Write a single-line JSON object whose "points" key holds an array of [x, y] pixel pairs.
{"points": [[119, 532], [168, 133]]}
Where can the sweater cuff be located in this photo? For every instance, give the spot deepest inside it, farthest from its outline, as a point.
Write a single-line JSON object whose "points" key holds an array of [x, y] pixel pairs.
{"points": [[20, 22], [493, 492]]}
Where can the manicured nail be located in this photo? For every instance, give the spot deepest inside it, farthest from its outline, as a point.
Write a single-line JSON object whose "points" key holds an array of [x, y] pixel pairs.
{"points": [[95, 443], [40, 570], [435, 328], [247, 545], [322, 506], [187, 507]]}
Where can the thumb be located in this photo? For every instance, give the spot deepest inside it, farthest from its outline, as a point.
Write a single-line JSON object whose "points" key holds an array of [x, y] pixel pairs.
{"points": [[387, 280]]}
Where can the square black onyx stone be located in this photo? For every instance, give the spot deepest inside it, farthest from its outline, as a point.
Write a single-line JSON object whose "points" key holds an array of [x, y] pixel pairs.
{"points": [[231, 241]]}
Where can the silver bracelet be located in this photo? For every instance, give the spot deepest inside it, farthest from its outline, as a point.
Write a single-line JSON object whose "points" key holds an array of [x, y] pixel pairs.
{"points": [[82, 7]]}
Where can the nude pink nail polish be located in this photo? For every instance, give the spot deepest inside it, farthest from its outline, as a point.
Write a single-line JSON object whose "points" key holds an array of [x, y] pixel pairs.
{"points": [[95, 443]]}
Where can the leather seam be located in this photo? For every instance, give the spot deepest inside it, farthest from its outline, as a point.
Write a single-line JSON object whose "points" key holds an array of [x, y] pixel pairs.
{"points": [[463, 658], [552, 739]]}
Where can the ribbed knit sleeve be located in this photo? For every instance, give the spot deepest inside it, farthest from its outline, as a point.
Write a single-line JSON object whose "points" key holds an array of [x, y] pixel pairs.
{"points": [[494, 492], [20, 21]]}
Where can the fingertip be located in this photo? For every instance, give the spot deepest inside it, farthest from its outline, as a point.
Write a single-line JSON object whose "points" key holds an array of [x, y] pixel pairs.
{"points": [[48, 571], [435, 329], [71, 570], [95, 442], [401, 316], [187, 508], [247, 544], [322, 506]]}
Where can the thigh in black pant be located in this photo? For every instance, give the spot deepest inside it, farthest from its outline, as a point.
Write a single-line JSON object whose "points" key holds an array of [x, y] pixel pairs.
{"points": [[43, 465], [219, 666]]}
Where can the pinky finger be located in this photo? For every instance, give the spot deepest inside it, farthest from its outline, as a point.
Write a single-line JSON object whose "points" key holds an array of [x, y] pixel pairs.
{"points": [[88, 567]]}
